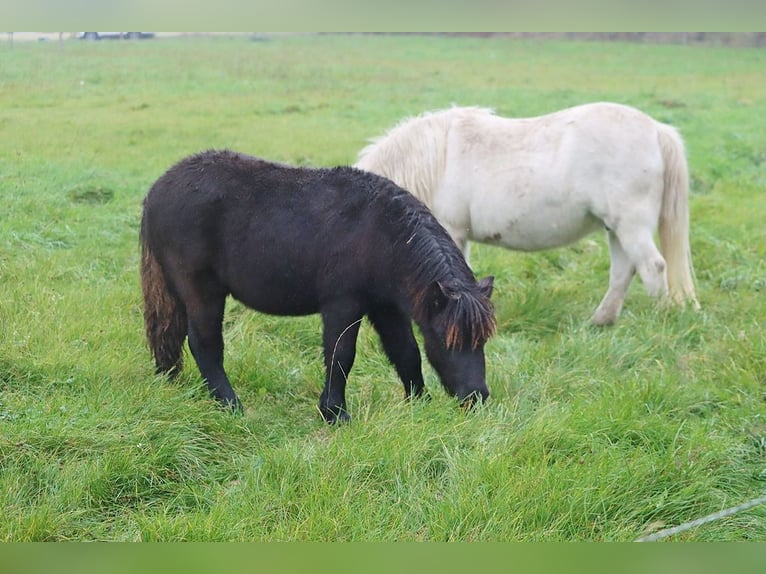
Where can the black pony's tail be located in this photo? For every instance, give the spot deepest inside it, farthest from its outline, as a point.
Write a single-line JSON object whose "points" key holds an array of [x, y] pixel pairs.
{"points": [[164, 314]]}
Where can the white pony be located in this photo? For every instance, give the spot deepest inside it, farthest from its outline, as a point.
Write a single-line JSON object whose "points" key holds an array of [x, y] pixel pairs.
{"points": [[537, 183]]}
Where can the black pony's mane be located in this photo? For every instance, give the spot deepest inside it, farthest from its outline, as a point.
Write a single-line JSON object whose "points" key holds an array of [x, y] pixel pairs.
{"points": [[433, 259]]}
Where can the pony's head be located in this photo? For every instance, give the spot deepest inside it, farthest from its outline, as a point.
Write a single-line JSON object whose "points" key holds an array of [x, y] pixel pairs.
{"points": [[452, 308], [456, 321]]}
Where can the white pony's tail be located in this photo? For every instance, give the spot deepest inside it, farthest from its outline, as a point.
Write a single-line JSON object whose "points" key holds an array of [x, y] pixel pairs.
{"points": [[674, 218]]}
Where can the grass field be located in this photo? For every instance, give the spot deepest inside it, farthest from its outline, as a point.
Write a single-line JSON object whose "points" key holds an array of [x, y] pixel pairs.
{"points": [[590, 434]]}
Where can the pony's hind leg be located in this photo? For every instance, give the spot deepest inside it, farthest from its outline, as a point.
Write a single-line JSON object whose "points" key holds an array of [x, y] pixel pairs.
{"points": [[204, 309], [341, 322], [400, 346], [647, 259], [635, 244], [621, 273]]}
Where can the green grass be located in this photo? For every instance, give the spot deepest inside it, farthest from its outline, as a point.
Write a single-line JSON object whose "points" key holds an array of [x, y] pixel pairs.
{"points": [[590, 434]]}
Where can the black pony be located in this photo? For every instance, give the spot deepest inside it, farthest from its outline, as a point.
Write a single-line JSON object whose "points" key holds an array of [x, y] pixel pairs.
{"points": [[293, 241]]}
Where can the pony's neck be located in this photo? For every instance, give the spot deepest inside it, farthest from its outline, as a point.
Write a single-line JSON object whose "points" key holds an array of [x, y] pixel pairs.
{"points": [[412, 155]]}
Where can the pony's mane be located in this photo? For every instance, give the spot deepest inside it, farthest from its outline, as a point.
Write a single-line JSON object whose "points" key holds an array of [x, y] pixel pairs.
{"points": [[413, 153], [434, 259]]}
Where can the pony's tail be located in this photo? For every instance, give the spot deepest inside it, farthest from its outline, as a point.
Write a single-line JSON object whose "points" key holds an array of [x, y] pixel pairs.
{"points": [[164, 314], [674, 217]]}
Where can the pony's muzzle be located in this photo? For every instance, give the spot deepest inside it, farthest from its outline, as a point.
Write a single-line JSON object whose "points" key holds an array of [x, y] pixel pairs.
{"points": [[469, 400]]}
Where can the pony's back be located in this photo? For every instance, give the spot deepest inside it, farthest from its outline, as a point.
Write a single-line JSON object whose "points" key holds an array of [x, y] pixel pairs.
{"points": [[261, 228]]}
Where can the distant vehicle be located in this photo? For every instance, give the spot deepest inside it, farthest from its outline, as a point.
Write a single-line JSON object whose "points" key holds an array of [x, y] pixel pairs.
{"points": [[114, 35]]}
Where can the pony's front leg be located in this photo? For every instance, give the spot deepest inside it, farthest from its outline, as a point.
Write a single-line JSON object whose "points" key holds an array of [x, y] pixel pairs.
{"points": [[460, 237], [400, 346], [340, 329]]}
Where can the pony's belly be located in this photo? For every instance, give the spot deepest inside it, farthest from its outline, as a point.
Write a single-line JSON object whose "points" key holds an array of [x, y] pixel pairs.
{"points": [[295, 297], [536, 230], [282, 307]]}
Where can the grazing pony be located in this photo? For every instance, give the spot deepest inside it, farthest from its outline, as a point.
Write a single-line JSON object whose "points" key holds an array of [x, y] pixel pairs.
{"points": [[543, 182], [293, 241]]}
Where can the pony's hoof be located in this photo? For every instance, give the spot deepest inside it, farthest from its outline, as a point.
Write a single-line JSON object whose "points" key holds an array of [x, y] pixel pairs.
{"points": [[602, 320], [232, 404], [421, 394], [336, 416]]}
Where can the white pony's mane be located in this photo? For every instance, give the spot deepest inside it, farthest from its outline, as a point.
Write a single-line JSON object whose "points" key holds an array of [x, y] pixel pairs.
{"points": [[413, 153]]}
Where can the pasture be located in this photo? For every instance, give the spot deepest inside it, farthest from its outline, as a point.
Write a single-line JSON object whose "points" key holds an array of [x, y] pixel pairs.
{"points": [[599, 434]]}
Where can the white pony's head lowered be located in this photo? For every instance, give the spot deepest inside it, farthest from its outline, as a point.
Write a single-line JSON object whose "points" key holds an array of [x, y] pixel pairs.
{"points": [[413, 153]]}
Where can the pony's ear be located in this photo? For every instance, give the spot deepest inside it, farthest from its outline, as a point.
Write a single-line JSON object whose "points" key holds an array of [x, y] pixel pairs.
{"points": [[448, 290], [486, 286], [438, 295]]}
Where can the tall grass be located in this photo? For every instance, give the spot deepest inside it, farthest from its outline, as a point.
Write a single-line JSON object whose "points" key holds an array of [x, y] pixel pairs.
{"points": [[590, 434]]}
